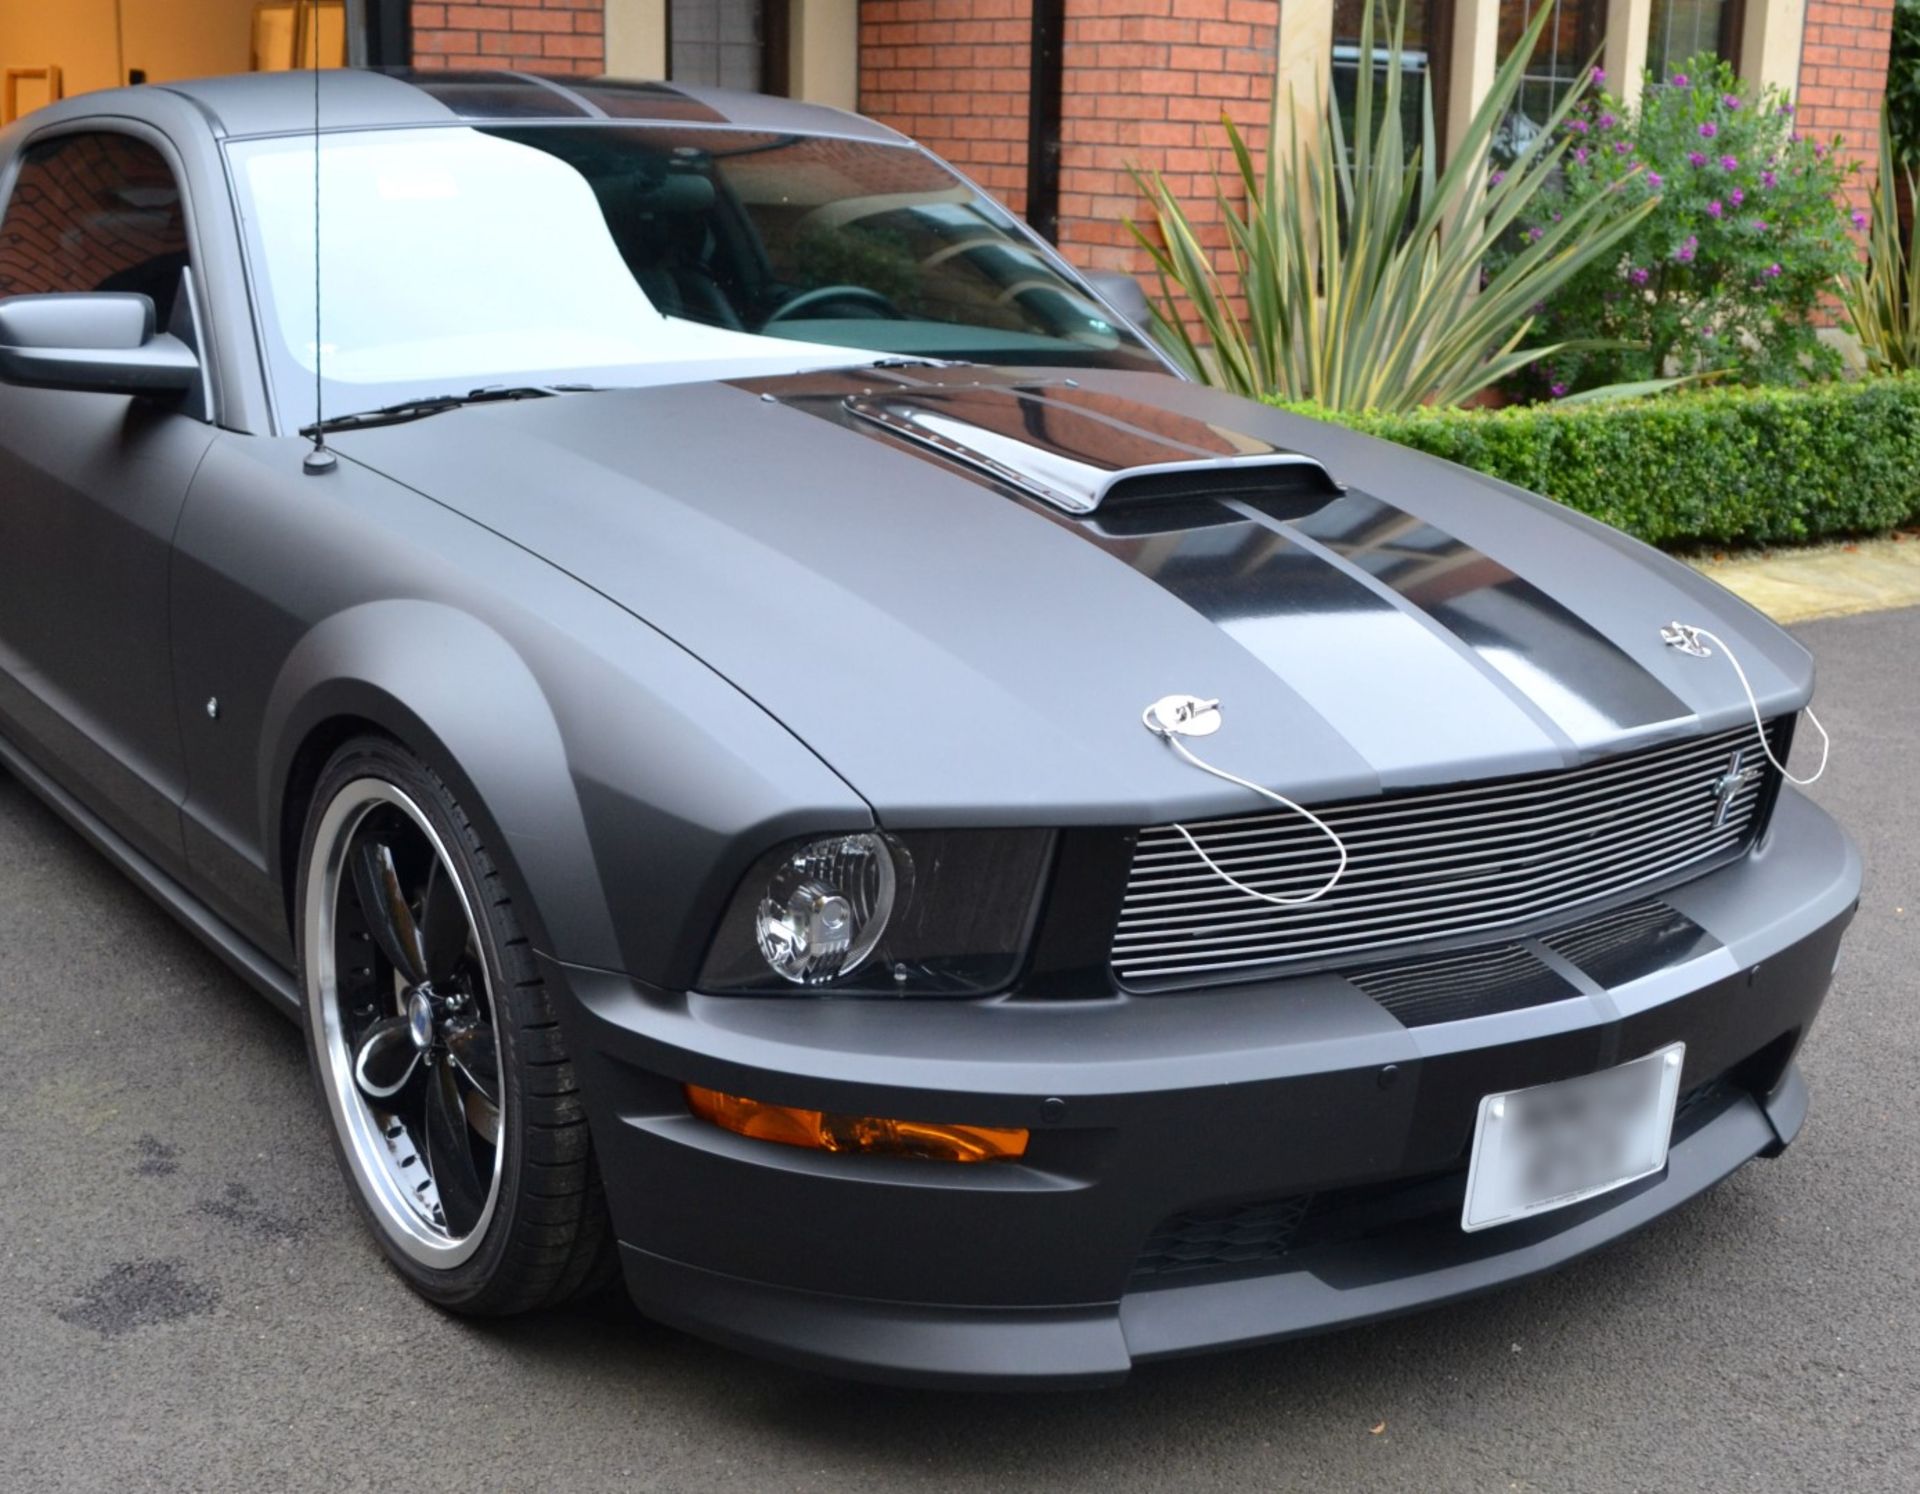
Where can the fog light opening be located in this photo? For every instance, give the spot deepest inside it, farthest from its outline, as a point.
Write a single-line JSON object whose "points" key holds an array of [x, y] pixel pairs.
{"points": [[869, 1135]]}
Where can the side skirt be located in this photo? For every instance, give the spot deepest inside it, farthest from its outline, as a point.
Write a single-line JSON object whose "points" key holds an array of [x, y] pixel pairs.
{"points": [[243, 957]]}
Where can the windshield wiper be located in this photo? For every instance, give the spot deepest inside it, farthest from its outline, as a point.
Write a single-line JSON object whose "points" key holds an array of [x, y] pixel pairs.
{"points": [[434, 404]]}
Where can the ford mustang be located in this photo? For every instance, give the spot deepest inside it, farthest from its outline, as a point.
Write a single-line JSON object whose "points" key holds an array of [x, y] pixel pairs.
{"points": [[780, 753]]}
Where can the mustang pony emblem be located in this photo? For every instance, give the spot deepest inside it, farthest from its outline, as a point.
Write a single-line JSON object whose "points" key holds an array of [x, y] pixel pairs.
{"points": [[1728, 785]]}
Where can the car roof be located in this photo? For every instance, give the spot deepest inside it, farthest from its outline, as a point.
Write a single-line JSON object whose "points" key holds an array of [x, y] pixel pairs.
{"points": [[282, 103]]}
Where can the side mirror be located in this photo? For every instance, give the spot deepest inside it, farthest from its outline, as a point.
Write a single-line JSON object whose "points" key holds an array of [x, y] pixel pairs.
{"points": [[1124, 294], [99, 342]]}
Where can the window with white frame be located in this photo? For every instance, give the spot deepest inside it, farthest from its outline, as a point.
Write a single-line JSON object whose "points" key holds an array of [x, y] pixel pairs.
{"points": [[721, 43], [1421, 60], [1567, 47], [1679, 29]]}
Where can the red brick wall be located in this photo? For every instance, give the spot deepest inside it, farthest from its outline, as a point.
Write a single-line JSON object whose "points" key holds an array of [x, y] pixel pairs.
{"points": [[529, 36], [953, 74], [1843, 74], [1145, 85]]}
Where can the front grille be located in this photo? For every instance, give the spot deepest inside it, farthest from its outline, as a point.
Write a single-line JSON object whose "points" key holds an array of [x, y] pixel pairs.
{"points": [[1435, 864]]}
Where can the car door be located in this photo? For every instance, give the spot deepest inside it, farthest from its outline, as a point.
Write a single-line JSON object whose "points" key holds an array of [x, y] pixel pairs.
{"points": [[91, 489]]}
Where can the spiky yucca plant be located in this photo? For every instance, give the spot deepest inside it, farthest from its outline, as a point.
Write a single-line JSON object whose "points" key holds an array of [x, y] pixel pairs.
{"points": [[1882, 296], [1362, 269]]}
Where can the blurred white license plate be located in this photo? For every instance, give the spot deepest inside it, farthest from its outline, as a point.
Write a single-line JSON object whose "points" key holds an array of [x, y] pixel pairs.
{"points": [[1555, 1144]]}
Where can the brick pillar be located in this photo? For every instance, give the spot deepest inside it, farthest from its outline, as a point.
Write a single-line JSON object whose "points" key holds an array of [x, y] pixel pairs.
{"points": [[1146, 84], [953, 74], [1843, 77], [565, 37]]}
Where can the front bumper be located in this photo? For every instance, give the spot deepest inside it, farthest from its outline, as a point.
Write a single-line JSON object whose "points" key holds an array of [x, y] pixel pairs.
{"points": [[1207, 1169]]}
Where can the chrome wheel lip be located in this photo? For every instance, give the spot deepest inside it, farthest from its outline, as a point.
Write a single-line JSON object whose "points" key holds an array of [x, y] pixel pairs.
{"points": [[370, 1157]]}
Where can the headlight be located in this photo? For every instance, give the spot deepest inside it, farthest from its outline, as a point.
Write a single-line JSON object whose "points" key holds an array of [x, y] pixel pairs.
{"points": [[825, 907], [944, 912]]}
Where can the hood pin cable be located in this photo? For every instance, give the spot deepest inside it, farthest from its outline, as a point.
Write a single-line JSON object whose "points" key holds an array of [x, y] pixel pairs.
{"points": [[1687, 639], [1173, 717]]}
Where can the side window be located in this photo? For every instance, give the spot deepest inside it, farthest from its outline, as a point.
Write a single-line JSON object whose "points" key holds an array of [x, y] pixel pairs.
{"points": [[95, 211]]}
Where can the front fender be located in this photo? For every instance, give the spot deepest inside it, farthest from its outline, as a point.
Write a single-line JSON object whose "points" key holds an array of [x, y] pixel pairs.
{"points": [[410, 667], [629, 785]]}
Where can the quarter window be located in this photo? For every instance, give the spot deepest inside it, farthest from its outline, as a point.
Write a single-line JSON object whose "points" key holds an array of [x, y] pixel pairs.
{"points": [[94, 212]]}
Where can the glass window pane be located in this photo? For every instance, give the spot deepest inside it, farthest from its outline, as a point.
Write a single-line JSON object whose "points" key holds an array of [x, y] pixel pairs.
{"points": [[716, 42], [1679, 29], [1416, 61], [1566, 48], [457, 257]]}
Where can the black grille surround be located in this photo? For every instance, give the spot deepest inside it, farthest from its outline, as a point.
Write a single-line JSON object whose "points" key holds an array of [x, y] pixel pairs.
{"points": [[1446, 867]]}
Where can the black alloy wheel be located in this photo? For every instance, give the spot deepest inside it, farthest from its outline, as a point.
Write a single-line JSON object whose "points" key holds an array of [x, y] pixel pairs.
{"points": [[453, 1106]]}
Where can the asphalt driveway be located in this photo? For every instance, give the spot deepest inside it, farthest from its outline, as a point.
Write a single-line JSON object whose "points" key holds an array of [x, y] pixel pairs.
{"points": [[187, 1301]]}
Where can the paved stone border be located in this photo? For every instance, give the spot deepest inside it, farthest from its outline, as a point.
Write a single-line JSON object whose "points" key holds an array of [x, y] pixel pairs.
{"points": [[1793, 586]]}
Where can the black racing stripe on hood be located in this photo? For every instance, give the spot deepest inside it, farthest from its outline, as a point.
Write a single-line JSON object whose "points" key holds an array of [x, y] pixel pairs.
{"points": [[1303, 615], [1309, 581], [1231, 571], [1579, 677]]}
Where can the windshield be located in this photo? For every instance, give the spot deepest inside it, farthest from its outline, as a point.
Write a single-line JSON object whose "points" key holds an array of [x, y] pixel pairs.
{"points": [[455, 258]]}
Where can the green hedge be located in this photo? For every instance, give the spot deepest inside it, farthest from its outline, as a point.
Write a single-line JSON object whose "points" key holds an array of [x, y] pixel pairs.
{"points": [[1710, 465]]}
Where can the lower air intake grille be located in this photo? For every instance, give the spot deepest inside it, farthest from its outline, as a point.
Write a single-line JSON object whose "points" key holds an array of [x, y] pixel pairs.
{"points": [[1477, 984], [1437, 864], [1253, 1239], [1248, 1235]]}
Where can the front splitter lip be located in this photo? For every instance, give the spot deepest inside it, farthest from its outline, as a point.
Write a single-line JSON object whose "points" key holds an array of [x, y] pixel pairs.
{"points": [[1092, 1344]]}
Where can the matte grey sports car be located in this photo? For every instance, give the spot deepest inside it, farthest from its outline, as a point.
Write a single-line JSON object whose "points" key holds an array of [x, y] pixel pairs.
{"points": [[777, 750]]}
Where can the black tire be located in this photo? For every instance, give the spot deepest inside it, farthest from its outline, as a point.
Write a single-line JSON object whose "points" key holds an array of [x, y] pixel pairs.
{"points": [[545, 1236]]}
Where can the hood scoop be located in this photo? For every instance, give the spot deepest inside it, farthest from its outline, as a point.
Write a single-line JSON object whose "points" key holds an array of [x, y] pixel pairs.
{"points": [[1088, 453]]}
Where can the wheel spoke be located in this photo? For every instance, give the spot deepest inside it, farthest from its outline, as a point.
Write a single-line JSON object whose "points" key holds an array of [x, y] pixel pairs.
{"points": [[443, 924], [386, 1060], [471, 1046], [450, 1154], [483, 1115], [383, 902]]}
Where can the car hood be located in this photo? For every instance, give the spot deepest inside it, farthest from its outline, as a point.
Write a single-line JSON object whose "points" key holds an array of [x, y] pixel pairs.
{"points": [[887, 562]]}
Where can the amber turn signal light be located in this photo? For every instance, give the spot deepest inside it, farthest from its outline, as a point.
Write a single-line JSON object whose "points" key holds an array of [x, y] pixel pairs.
{"points": [[872, 1135]]}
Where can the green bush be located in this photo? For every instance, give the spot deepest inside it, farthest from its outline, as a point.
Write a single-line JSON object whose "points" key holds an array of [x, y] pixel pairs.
{"points": [[1722, 465], [1727, 271]]}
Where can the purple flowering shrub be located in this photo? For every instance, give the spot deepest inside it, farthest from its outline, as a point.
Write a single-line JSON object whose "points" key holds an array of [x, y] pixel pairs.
{"points": [[1726, 273]]}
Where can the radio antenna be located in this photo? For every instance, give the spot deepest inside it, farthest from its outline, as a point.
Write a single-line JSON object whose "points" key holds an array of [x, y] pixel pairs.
{"points": [[320, 460]]}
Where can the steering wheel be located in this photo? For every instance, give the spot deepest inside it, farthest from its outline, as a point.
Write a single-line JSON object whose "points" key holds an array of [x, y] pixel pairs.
{"points": [[822, 295]]}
